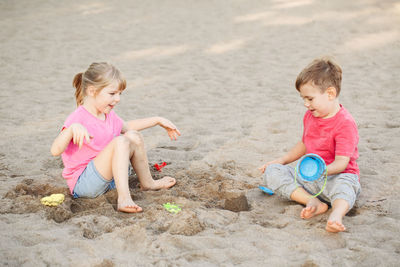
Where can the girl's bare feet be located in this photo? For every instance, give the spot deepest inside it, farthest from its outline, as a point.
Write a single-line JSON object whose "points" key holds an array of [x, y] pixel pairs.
{"points": [[163, 183], [128, 206], [314, 207]]}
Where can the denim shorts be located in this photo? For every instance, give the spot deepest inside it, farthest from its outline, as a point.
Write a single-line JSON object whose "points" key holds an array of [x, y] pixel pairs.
{"points": [[91, 183]]}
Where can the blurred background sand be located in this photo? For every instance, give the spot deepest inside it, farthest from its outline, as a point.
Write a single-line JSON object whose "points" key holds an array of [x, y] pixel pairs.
{"points": [[223, 72]]}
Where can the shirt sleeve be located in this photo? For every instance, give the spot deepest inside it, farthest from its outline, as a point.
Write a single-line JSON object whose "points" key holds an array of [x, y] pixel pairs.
{"points": [[346, 139], [70, 120]]}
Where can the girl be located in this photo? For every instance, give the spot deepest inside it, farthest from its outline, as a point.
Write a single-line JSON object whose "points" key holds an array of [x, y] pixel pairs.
{"points": [[97, 145]]}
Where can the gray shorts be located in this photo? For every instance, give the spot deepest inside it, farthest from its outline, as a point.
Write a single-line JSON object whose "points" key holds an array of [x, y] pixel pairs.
{"points": [[280, 178], [91, 183]]}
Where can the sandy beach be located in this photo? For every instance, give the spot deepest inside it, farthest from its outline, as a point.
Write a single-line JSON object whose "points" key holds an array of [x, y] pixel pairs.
{"points": [[224, 73]]}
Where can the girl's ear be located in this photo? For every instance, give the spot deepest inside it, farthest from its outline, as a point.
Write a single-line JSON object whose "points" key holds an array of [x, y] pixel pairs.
{"points": [[91, 90], [331, 92]]}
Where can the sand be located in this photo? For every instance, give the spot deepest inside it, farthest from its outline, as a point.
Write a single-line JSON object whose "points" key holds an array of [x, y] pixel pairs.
{"points": [[223, 72]]}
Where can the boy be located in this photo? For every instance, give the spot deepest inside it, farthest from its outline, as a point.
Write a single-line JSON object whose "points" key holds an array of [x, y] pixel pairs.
{"points": [[329, 131]]}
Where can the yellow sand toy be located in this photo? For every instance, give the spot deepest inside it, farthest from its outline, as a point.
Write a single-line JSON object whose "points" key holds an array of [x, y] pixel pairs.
{"points": [[53, 200]]}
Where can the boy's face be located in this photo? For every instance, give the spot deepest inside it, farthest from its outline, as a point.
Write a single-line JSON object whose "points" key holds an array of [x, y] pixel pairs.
{"points": [[321, 105]]}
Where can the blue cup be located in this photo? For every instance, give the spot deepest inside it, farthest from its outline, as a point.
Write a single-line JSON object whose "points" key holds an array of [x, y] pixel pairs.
{"points": [[310, 167]]}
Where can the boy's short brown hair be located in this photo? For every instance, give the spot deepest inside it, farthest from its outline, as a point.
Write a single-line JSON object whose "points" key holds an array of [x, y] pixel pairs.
{"points": [[323, 72]]}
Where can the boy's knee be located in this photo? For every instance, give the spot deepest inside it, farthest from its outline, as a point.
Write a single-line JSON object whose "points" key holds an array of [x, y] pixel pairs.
{"points": [[346, 187], [279, 178], [134, 137], [350, 199], [273, 168]]}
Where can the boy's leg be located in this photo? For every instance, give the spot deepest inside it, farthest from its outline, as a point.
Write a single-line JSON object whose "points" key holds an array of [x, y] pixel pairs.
{"points": [[342, 190], [313, 205], [113, 161], [339, 209], [141, 166], [280, 178]]}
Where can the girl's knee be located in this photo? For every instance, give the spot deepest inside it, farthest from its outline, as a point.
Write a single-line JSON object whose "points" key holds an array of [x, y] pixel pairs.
{"points": [[121, 141], [134, 137]]}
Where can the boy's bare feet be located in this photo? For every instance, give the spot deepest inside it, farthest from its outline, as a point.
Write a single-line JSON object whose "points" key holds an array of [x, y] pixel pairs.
{"points": [[314, 207], [163, 183], [129, 207], [339, 210], [334, 224]]}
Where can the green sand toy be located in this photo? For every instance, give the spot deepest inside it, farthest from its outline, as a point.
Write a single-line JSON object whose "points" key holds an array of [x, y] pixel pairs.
{"points": [[173, 208]]}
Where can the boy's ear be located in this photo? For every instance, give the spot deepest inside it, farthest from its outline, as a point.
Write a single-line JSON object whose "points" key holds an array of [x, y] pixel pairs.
{"points": [[331, 92]]}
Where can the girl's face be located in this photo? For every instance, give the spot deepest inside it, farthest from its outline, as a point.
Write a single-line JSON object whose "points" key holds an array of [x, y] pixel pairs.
{"points": [[107, 98], [321, 105]]}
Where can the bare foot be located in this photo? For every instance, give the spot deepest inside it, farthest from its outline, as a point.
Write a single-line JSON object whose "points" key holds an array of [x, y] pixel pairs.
{"points": [[334, 224], [314, 207], [128, 207], [165, 182]]}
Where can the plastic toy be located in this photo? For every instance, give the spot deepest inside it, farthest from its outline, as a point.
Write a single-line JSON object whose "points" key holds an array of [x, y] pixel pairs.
{"points": [[53, 200], [172, 208], [266, 190], [310, 168], [159, 167]]}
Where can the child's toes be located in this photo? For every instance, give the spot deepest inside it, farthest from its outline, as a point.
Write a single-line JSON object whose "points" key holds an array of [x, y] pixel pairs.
{"points": [[166, 182], [335, 227], [307, 212], [130, 209]]}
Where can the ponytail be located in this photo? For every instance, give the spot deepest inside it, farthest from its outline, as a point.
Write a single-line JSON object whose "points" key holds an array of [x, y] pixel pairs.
{"points": [[77, 83]]}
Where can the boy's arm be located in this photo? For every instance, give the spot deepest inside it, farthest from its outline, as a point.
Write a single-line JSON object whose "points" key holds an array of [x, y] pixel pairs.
{"points": [[338, 165], [294, 154]]}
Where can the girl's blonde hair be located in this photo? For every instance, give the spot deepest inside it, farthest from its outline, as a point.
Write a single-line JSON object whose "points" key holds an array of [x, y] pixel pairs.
{"points": [[99, 75]]}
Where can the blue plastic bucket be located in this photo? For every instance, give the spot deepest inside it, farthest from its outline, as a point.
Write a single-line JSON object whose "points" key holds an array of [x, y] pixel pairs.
{"points": [[310, 167]]}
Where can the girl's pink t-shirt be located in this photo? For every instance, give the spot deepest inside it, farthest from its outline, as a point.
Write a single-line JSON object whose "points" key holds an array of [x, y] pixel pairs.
{"points": [[333, 136], [103, 132]]}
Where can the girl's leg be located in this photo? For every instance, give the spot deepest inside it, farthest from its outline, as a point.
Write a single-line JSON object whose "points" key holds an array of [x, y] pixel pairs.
{"points": [[141, 165], [113, 161]]}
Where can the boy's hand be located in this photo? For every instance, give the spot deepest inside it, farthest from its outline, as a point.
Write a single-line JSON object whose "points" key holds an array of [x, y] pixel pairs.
{"points": [[263, 167], [171, 129], [79, 133]]}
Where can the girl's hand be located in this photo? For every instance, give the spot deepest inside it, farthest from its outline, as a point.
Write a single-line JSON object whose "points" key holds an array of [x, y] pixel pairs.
{"points": [[263, 167], [171, 129], [79, 133]]}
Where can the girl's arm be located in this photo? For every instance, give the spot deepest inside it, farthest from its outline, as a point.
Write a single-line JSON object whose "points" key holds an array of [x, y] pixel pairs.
{"points": [[294, 154], [140, 124], [145, 123], [338, 165], [76, 132]]}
